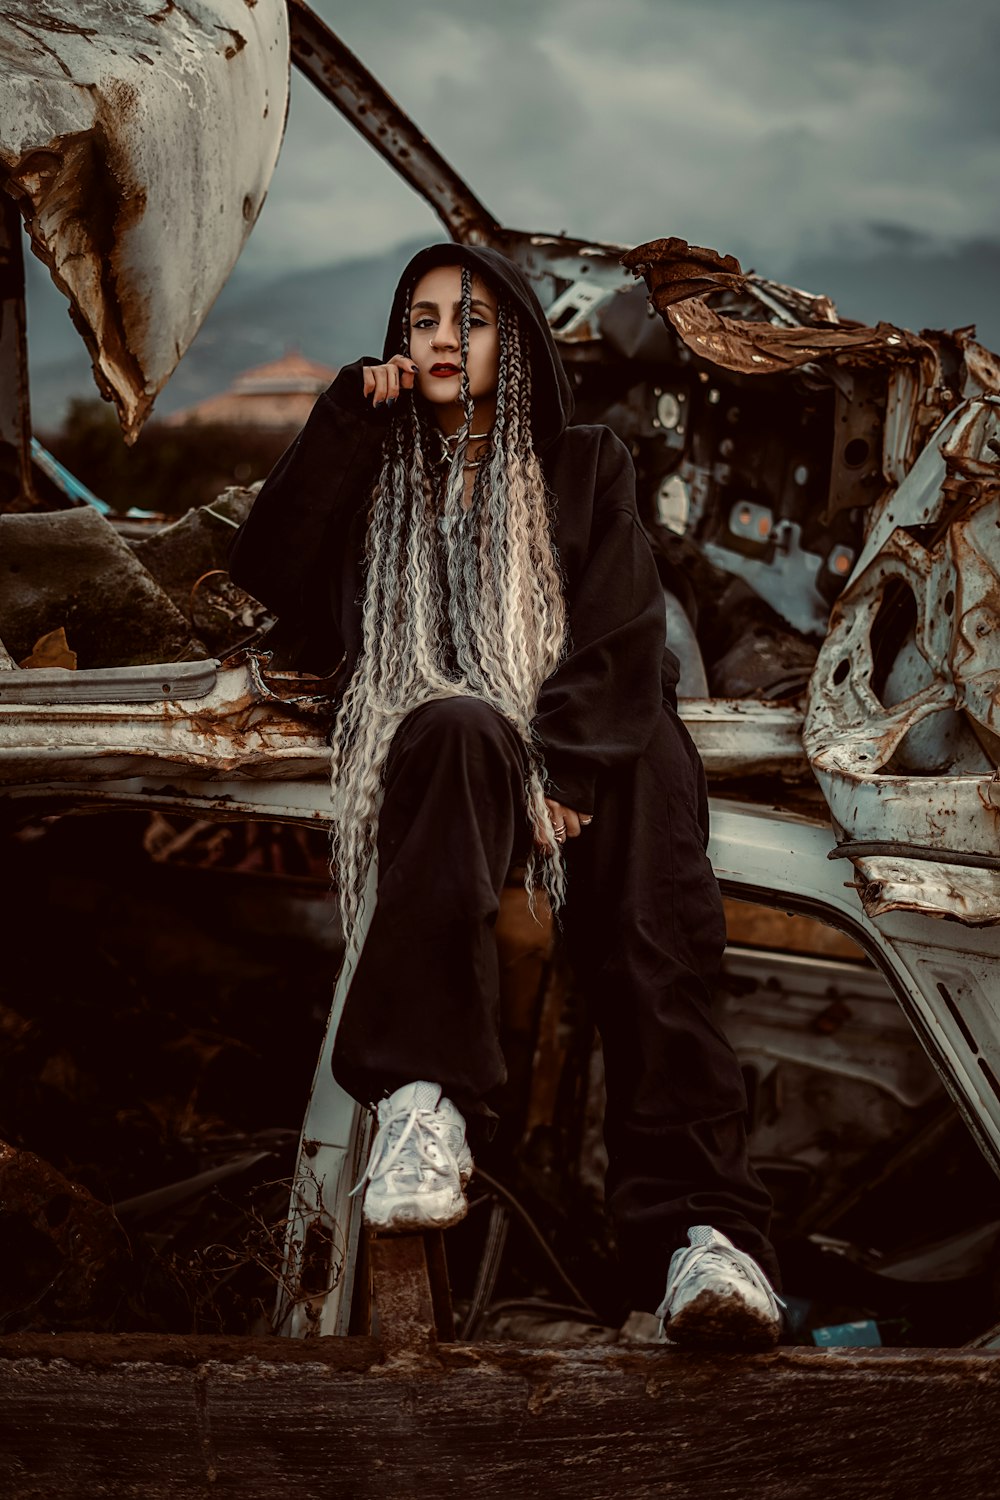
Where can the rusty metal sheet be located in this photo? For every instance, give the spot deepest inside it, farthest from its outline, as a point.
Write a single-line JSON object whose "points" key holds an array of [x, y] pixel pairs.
{"points": [[788, 518], [742, 737], [763, 349], [903, 721], [241, 728], [139, 142], [681, 276], [982, 366], [675, 270], [944, 977], [889, 883]]}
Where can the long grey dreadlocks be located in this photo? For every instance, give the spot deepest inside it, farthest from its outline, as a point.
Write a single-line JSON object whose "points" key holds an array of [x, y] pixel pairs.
{"points": [[492, 627]]}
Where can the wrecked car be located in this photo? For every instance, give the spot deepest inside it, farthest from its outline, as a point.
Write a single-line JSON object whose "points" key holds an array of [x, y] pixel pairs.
{"points": [[822, 499]]}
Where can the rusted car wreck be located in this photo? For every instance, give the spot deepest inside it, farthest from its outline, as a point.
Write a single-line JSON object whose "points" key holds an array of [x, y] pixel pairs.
{"points": [[824, 502]]}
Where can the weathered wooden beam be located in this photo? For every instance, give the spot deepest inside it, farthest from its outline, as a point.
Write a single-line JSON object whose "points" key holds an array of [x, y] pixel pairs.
{"points": [[186, 1418]]}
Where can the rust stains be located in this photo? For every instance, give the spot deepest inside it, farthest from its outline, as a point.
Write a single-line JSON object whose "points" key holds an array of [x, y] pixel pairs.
{"points": [[79, 202], [675, 270], [681, 277], [938, 889], [42, 21], [903, 726], [98, 156], [236, 45], [65, 1251]]}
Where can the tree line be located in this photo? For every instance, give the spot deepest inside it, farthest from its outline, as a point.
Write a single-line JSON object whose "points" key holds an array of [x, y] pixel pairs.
{"points": [[169, 469]]}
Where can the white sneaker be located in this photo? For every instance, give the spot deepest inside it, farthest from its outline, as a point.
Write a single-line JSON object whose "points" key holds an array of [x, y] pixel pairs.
{"points": [[718, 1297], [419, 1163]]}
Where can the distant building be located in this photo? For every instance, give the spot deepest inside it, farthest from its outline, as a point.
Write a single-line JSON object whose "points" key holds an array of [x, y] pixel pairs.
{"points": [[275, 396]]}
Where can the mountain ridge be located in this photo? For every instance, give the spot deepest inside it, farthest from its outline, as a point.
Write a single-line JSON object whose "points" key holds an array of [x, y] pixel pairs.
{"points": [[335, 312]]}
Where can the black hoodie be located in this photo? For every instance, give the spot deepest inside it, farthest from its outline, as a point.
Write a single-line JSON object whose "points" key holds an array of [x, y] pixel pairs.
{"points": [[301, 549]]}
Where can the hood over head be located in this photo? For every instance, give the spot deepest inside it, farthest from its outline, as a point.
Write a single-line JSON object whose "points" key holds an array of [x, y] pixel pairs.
{"points": [[551, 395]]}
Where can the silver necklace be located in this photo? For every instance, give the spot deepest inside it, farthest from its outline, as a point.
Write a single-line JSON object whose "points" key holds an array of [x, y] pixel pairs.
{"points": [[446, 448]]}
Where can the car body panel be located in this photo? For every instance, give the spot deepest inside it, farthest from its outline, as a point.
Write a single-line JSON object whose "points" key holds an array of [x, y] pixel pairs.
{"points": [[109, 112]]}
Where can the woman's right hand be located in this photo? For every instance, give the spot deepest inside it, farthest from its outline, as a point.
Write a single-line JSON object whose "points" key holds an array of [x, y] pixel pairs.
{"points": [[384, 382]]}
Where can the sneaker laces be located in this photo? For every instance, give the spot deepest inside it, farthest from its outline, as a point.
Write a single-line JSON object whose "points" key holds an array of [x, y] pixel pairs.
{"points": [[703, 1249], [385, 1151]]}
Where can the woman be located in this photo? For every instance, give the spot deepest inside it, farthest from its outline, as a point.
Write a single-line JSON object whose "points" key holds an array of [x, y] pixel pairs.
{"points": [[478, 563]]}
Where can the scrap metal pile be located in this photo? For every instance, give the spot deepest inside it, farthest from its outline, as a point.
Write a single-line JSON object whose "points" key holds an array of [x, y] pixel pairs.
{"points": [[824, 503]]}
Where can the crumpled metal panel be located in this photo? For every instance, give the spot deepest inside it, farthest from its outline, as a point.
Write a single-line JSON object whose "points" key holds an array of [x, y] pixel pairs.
{"points": [[742, 737], [903, 721], [760, 348], [676, 270], [887, 883], [242, 727], [681, 276], [945, 979], [867, 399], [140, 141]]}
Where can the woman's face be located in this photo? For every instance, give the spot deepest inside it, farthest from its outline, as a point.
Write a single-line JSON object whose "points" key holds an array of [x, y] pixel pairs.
{"points": [[436, 340]]}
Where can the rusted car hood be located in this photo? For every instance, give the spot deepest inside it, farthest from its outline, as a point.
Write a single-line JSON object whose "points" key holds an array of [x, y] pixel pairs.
{"points": [[107, 111]]}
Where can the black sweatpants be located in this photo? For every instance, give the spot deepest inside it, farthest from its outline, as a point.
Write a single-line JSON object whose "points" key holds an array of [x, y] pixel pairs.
{"points": [[644, 927]]}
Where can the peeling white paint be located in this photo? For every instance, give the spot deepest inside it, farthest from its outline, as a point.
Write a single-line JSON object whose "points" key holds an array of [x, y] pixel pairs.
{"points": [[903, 722], [140, 142]]}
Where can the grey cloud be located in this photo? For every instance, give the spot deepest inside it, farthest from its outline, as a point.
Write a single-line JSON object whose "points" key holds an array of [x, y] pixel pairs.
{"points": [[781, 131], [763, 129]]}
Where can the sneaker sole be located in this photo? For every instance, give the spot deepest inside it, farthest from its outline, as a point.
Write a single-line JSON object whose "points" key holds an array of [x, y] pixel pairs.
{"points": [[414, 1218], [714, 1322]]}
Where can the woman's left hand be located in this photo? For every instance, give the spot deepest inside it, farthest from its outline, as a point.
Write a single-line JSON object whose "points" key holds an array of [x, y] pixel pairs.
{"points": [[566, 823]]}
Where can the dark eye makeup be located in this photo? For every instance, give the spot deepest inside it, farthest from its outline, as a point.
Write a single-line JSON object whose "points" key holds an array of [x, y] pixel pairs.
{"points": [[425, 322]]}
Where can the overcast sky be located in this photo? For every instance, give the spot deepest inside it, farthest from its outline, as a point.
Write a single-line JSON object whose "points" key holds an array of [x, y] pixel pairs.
{"points": [[849, 146], [774, 130]]}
